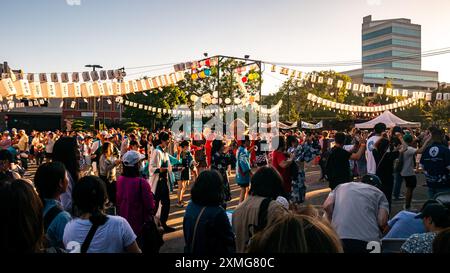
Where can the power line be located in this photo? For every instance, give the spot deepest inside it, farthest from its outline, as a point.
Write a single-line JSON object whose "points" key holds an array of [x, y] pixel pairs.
{"points": [[151, 65], [411, 56], [147, 71]]}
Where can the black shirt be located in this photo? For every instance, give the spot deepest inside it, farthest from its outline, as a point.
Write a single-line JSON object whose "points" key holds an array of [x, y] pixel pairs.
{"points": [[385, 165], [338, 167]]}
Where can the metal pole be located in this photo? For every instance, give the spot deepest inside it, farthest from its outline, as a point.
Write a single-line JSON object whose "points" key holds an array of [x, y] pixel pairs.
{"points": [[95, 105], [94, 66], [260, 94], [289, 102], [219, 95]]}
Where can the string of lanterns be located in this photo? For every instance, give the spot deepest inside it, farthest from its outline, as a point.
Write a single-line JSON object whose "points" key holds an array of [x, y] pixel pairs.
{"points": [[202, 112], [356, 87], [23, 88], [360, 109]]}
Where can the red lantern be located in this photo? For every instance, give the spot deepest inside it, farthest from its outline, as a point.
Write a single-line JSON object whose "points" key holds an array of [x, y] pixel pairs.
{"points": [[244, 79], [207, 62]]}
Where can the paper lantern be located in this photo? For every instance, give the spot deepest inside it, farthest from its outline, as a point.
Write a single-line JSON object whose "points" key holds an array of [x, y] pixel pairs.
{"points": [[208, 62], [194, 76], [194, 98], [237, 100], [227, 100], [250, 77], [244, 79], [207, 72], [202, 75]]}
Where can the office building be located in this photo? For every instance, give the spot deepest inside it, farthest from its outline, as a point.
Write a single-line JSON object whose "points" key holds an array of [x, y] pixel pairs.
{"points": [[391, 50]]}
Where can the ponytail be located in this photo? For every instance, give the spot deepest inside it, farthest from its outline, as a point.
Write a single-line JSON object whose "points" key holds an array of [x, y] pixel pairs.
{"points": [[98, 217]]}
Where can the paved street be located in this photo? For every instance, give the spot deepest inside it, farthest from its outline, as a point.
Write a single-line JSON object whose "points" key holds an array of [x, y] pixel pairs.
{"points": [[316, 194]]}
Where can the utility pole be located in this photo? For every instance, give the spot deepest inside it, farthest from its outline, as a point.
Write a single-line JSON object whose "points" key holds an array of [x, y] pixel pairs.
{"points": [[94, 66]]}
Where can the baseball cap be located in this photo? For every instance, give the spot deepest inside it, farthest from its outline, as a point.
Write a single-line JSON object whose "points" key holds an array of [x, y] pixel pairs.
{"points": [[371, 180], [131, 158], [408, 138], [438, 212]]}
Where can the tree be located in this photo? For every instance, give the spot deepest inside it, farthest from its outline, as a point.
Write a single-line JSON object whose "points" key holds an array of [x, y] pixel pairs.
{"points": [[294, 94], [167, 98], [78, 125], [440, 113]]}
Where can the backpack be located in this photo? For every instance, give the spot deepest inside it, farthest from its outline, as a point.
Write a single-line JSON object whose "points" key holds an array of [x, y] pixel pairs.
{"points": [[262, 218]]}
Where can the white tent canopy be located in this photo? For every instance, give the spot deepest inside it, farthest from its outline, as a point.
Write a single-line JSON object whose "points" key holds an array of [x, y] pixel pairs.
{"points": [[390, 120]]}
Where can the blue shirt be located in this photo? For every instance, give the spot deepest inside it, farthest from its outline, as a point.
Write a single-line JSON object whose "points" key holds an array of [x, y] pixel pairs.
{"points": [[55, 230], [435, 160], [243, 166], [403, 225]]}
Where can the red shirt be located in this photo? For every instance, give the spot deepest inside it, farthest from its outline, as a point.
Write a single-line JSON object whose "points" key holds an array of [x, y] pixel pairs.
{"points": [[277, 158]]}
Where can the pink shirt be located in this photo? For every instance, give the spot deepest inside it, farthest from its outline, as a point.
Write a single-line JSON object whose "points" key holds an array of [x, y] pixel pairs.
{"points": [[131, 205]]}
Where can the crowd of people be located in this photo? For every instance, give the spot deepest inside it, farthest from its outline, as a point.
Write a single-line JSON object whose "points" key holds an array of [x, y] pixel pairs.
{"points": [[109, 191]]}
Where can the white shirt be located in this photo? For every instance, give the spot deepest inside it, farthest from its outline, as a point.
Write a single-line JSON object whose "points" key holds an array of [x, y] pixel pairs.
{"points": [[112, 237], [49, 146], [371, 164]]}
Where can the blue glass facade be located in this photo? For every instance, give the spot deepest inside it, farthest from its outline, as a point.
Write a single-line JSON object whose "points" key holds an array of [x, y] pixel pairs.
{"points": [[393, 29], [397, 65], [390, 53], [399, 76], [391, 42]]}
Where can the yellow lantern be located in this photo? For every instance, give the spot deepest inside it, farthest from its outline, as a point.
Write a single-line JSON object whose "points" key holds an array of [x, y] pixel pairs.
{"points": [[194, 76], [202, 75]]}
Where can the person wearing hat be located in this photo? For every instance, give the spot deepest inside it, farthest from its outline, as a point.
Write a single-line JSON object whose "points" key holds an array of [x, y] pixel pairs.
{"points": [[436, 218], [404, 224], [359, 212], [135, 200]]}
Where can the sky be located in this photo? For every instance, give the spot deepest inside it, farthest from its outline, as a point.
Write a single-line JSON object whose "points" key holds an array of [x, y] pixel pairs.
{"points": [[64, 35]]}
